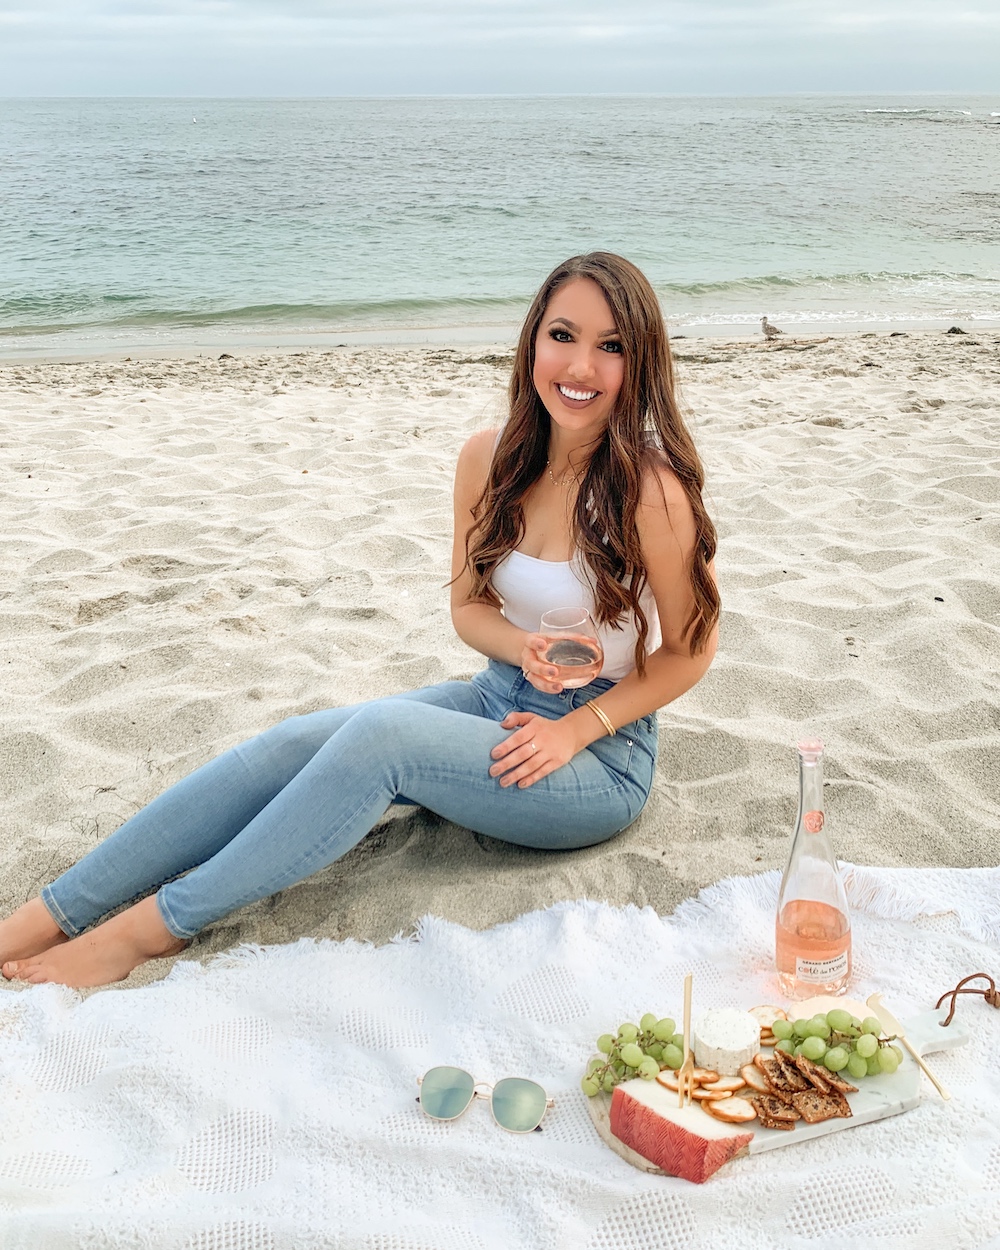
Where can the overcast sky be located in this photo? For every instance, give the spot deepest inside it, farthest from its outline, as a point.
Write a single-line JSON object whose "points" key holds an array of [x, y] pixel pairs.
{"points": [[331, 47]]}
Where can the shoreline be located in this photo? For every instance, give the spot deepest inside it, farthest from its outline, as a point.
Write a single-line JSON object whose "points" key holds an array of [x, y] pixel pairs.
{"points": [[501, 337]]}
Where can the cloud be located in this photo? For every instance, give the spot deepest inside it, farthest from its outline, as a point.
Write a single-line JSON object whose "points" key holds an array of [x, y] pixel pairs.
{"points": [[451, 20], [336, 46]]}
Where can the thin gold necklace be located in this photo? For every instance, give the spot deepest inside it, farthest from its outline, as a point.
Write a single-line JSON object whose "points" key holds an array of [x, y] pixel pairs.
{"points": [[564, 479]]}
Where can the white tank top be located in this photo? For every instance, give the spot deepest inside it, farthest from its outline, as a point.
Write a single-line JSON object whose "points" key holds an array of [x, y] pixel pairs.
{"points": [[529, 587]]}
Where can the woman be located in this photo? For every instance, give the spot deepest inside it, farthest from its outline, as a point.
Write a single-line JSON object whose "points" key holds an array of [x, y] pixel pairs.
{"points": [[590, 494]]}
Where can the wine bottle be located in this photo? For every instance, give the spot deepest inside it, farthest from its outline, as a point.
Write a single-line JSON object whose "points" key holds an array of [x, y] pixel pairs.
{"points": [[812, 926]]}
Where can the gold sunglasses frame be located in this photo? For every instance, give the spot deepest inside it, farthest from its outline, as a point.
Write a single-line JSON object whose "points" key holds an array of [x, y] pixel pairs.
{"points": [[477, 1092]]}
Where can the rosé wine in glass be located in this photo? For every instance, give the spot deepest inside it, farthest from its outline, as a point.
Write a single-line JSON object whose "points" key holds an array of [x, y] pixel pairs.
{"points": [[572, 646]]}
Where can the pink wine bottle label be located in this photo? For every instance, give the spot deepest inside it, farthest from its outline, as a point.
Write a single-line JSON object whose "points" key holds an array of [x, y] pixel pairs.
{"points": [[821, 971]]}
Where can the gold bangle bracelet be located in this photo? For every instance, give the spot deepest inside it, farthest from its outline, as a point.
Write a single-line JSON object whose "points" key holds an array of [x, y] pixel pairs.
{"points": [[601, 716]]}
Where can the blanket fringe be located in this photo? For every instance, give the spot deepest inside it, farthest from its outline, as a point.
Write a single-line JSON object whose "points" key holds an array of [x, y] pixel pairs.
{"points": [[912, 893]]}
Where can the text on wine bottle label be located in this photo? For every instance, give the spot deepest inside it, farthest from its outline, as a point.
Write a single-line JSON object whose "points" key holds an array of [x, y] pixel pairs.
{"points": [[821, 971]]}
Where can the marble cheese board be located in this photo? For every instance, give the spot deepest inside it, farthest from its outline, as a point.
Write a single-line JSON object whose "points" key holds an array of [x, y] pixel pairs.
{"points": [[878, 1097]]}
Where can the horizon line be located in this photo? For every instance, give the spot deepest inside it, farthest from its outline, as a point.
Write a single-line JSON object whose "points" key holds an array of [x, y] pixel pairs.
{"points": [[513, 95]]}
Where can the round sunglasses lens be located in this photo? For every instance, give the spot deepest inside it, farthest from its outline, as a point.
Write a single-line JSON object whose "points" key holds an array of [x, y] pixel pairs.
{"points": [[446, 1092], [518, 1105]]}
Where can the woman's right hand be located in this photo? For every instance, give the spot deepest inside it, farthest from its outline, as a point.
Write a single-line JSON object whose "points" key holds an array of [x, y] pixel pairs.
{"points": [[539, 672]]}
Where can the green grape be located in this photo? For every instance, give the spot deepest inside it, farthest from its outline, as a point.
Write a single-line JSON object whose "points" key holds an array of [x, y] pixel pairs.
{"points": [[836, 1058], [838, 1019], [888, 1060], [782, 1030], [654, 1050], [818, 1028], [609, 1082], [866, 1045], [899, 1052], [787, 1045], [663, 1030], [798, 1049], [628, 1032], [649, 1069], [855, 1023], [605, 1043], [631, 1054], [593, 1065], [814, 1048], [589, 1086], [678, 1040], [857, 1065], [618, 1068], [870, 1025], [799, 1028], [673, 1056], [648, 1022]]}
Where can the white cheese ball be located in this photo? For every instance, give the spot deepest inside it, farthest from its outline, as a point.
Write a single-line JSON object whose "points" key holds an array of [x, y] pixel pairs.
{"points": [[724, 1039]]}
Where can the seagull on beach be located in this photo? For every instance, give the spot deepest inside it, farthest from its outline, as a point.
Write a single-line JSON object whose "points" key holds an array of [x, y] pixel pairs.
{"points": [[769, 331]]}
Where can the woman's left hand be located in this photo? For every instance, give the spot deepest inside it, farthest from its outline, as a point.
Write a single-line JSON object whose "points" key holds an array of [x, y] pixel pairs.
{"points": [[536, 748]]}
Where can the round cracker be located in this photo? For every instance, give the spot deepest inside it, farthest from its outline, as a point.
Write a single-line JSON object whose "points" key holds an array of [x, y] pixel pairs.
{"points": [[766, 1015], [669, 1079], [736, 1111], [732, 1083]]}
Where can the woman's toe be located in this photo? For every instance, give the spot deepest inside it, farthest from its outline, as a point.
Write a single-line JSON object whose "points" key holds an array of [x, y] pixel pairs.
{"points": [[22, 970]]}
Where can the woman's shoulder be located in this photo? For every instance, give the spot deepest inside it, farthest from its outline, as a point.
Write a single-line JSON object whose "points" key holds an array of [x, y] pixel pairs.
{"points": [[660, 487], [477, 451], [662, 497], [483, 441], [474, 460]]}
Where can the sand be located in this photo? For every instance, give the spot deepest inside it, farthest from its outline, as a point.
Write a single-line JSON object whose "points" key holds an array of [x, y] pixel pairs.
{"points": [[193, 549]]}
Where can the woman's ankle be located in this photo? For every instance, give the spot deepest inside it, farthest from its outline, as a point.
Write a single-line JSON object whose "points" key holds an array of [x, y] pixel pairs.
{"points": [[28, 931]]}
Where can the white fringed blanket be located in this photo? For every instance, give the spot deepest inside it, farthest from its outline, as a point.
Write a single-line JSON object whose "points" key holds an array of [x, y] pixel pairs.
{"points": [[267, 1101]]}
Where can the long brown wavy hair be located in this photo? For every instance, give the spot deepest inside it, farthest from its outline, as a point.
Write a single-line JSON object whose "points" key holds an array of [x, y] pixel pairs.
{"points": [[645, 424]]}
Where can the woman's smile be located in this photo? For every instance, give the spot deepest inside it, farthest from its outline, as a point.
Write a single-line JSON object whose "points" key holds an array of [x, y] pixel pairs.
{"points": [[575, 397]]}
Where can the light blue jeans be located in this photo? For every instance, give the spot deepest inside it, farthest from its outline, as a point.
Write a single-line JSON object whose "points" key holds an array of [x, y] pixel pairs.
{"points": [[283, 805]]}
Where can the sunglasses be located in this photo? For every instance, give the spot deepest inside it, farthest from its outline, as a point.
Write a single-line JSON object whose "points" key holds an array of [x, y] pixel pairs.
{"points": [[518, 1105]]}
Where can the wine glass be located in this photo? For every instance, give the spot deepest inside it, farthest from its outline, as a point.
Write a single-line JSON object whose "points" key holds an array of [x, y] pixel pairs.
{"points": [[572, 645]]}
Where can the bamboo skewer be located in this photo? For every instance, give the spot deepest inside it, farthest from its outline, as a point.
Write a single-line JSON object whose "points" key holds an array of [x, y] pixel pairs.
{"points": [[685, 1084]]}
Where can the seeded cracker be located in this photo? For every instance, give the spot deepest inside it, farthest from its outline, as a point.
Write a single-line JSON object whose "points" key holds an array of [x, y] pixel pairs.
{"points": [[813, 1073], [783, 1117], [796, 1081], [816, 1107]]}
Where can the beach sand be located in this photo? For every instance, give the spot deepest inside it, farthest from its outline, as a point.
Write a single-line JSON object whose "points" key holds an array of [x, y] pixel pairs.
{"points": [[194, 549]]}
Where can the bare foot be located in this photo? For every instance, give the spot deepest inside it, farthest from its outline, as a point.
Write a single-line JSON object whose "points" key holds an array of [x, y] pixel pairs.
{"points": [[29, 931], [105, 954]]}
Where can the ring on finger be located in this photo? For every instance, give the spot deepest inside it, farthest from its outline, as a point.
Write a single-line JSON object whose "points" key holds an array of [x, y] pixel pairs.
{"points": [[533, 747]]}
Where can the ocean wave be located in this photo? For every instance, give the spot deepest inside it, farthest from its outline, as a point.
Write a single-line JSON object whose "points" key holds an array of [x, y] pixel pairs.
{"points": [[52, 314], [929, 113], [851, 296], [765, 283]]}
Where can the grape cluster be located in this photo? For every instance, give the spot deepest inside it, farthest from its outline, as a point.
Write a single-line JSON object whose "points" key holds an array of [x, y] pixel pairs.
{"points": [[635, 1050], [839, 1040]]}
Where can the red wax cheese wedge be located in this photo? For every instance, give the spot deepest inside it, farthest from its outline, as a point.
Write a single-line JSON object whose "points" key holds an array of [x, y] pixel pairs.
{"points": [[683, 1141]]}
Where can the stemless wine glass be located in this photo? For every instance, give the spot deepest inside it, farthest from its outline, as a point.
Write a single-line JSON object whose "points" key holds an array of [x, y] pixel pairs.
{"points": [[572, 645]]}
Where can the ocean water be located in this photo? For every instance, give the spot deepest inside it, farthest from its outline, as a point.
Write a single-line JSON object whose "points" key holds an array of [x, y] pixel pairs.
{"points": [[164, 221]]}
